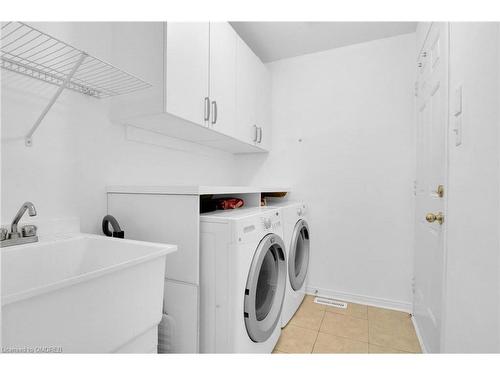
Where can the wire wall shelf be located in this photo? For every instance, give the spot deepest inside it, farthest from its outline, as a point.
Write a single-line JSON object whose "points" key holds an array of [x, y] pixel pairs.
{"points": [[31, 52], [34, 53]]}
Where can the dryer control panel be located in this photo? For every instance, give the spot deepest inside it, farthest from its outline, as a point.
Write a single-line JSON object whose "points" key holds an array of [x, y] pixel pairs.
{"points": [[301, 210], [268, 221]]}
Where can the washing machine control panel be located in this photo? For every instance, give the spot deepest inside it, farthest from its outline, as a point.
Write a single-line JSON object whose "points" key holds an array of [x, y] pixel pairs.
{"points": [[267, 223], [301, 211], [271, 222]]}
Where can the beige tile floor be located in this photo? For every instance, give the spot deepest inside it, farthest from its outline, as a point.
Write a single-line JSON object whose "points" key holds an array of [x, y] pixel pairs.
{"points": [[358, 329]]}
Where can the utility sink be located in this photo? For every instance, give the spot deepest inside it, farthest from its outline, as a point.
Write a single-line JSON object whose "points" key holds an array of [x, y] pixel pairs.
{"points": [[82, 294]]}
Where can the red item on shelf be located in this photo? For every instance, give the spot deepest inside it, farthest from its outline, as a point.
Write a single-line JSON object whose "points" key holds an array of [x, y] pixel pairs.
{"points": [[229, 203]]}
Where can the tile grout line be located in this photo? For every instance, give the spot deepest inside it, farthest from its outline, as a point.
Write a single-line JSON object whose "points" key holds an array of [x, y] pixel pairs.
{"points": [[317, 333], [368, 320], [348, 315], [344, 338], [350, 338], [387, 346]]}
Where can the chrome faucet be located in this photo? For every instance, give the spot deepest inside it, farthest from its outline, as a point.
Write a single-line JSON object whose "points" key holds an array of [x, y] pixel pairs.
{"points": [[28, 232], [13, 227]]}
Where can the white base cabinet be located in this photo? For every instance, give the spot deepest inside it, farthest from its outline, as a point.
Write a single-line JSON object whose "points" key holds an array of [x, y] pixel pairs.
{"points": [[208, 87], [168, 219]]}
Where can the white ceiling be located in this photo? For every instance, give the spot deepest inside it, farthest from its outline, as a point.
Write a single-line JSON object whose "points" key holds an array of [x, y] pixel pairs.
{"points": [[279, 40]]}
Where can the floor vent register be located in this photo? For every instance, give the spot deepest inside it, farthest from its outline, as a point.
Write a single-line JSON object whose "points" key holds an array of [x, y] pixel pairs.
{"points": [[330, 302]]}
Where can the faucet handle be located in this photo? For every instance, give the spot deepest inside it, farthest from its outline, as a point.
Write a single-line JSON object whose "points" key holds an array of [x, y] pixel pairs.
{"points": [[29, 230], [3, 233]]}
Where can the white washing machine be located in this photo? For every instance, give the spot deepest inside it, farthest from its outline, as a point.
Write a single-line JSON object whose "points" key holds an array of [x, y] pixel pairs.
{"points": [[242, 280], [297, 246]]}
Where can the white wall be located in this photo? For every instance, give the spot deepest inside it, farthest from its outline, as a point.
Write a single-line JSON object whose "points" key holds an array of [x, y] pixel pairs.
{"points": [[77, 151], [472, 312], [353, 109]]}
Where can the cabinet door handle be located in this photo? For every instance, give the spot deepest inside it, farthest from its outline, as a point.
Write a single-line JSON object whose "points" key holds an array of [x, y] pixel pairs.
{"points": [[214, 112], [260, 134], [207, 108], [255, 133]]}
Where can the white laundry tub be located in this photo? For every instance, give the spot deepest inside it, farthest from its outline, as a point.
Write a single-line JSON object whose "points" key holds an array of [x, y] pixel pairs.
{"points": [[82, 294]]}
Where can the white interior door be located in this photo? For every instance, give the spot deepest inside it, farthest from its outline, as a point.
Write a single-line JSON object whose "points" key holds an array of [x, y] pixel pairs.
{"points": [[222, 77], [432, 120], [187, 77]]}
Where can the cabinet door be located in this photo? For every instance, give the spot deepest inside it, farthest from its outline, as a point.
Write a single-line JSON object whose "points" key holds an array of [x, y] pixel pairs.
{"points": [[170, 219], [187, 62], [247, 77], [181, 304], [138, 48], [222, 77], [264, 108]]}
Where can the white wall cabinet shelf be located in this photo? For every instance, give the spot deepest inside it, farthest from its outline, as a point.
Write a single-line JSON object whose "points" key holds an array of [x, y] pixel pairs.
{"points": [[28, 51], [194, 71]]}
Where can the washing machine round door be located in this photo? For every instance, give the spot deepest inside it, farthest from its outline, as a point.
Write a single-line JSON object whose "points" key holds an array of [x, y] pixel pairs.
{"points": [[298, 257], [265, 288]]}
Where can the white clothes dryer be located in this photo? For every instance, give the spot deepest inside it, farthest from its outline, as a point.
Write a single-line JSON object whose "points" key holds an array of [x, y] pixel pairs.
{"points": [[297, 246]]}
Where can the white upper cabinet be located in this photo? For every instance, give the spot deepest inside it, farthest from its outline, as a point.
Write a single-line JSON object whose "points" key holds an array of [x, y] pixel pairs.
{"points": [[208, 87], [187, 73], [246, 93], [253, 87], [138, 47], [264, 107], [222, 77]]}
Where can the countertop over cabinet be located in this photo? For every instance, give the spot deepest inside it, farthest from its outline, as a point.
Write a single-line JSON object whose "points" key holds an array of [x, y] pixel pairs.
{"points": [[193, 189]]}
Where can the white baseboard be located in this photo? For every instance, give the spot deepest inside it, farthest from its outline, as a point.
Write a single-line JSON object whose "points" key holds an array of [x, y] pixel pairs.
{"points": [[361, 299], [419, 336]]}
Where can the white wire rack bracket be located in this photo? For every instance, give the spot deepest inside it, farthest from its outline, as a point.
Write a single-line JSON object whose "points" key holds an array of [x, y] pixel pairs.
{"points": [[28, 140], [33, 53]]}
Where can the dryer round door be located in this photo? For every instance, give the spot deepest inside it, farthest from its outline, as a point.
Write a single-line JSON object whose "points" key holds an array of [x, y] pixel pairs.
{"points": [[298, 257], [265, 288]]}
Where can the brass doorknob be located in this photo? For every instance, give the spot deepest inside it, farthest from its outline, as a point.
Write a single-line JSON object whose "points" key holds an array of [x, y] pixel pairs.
{"points": [[439, 217]]}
